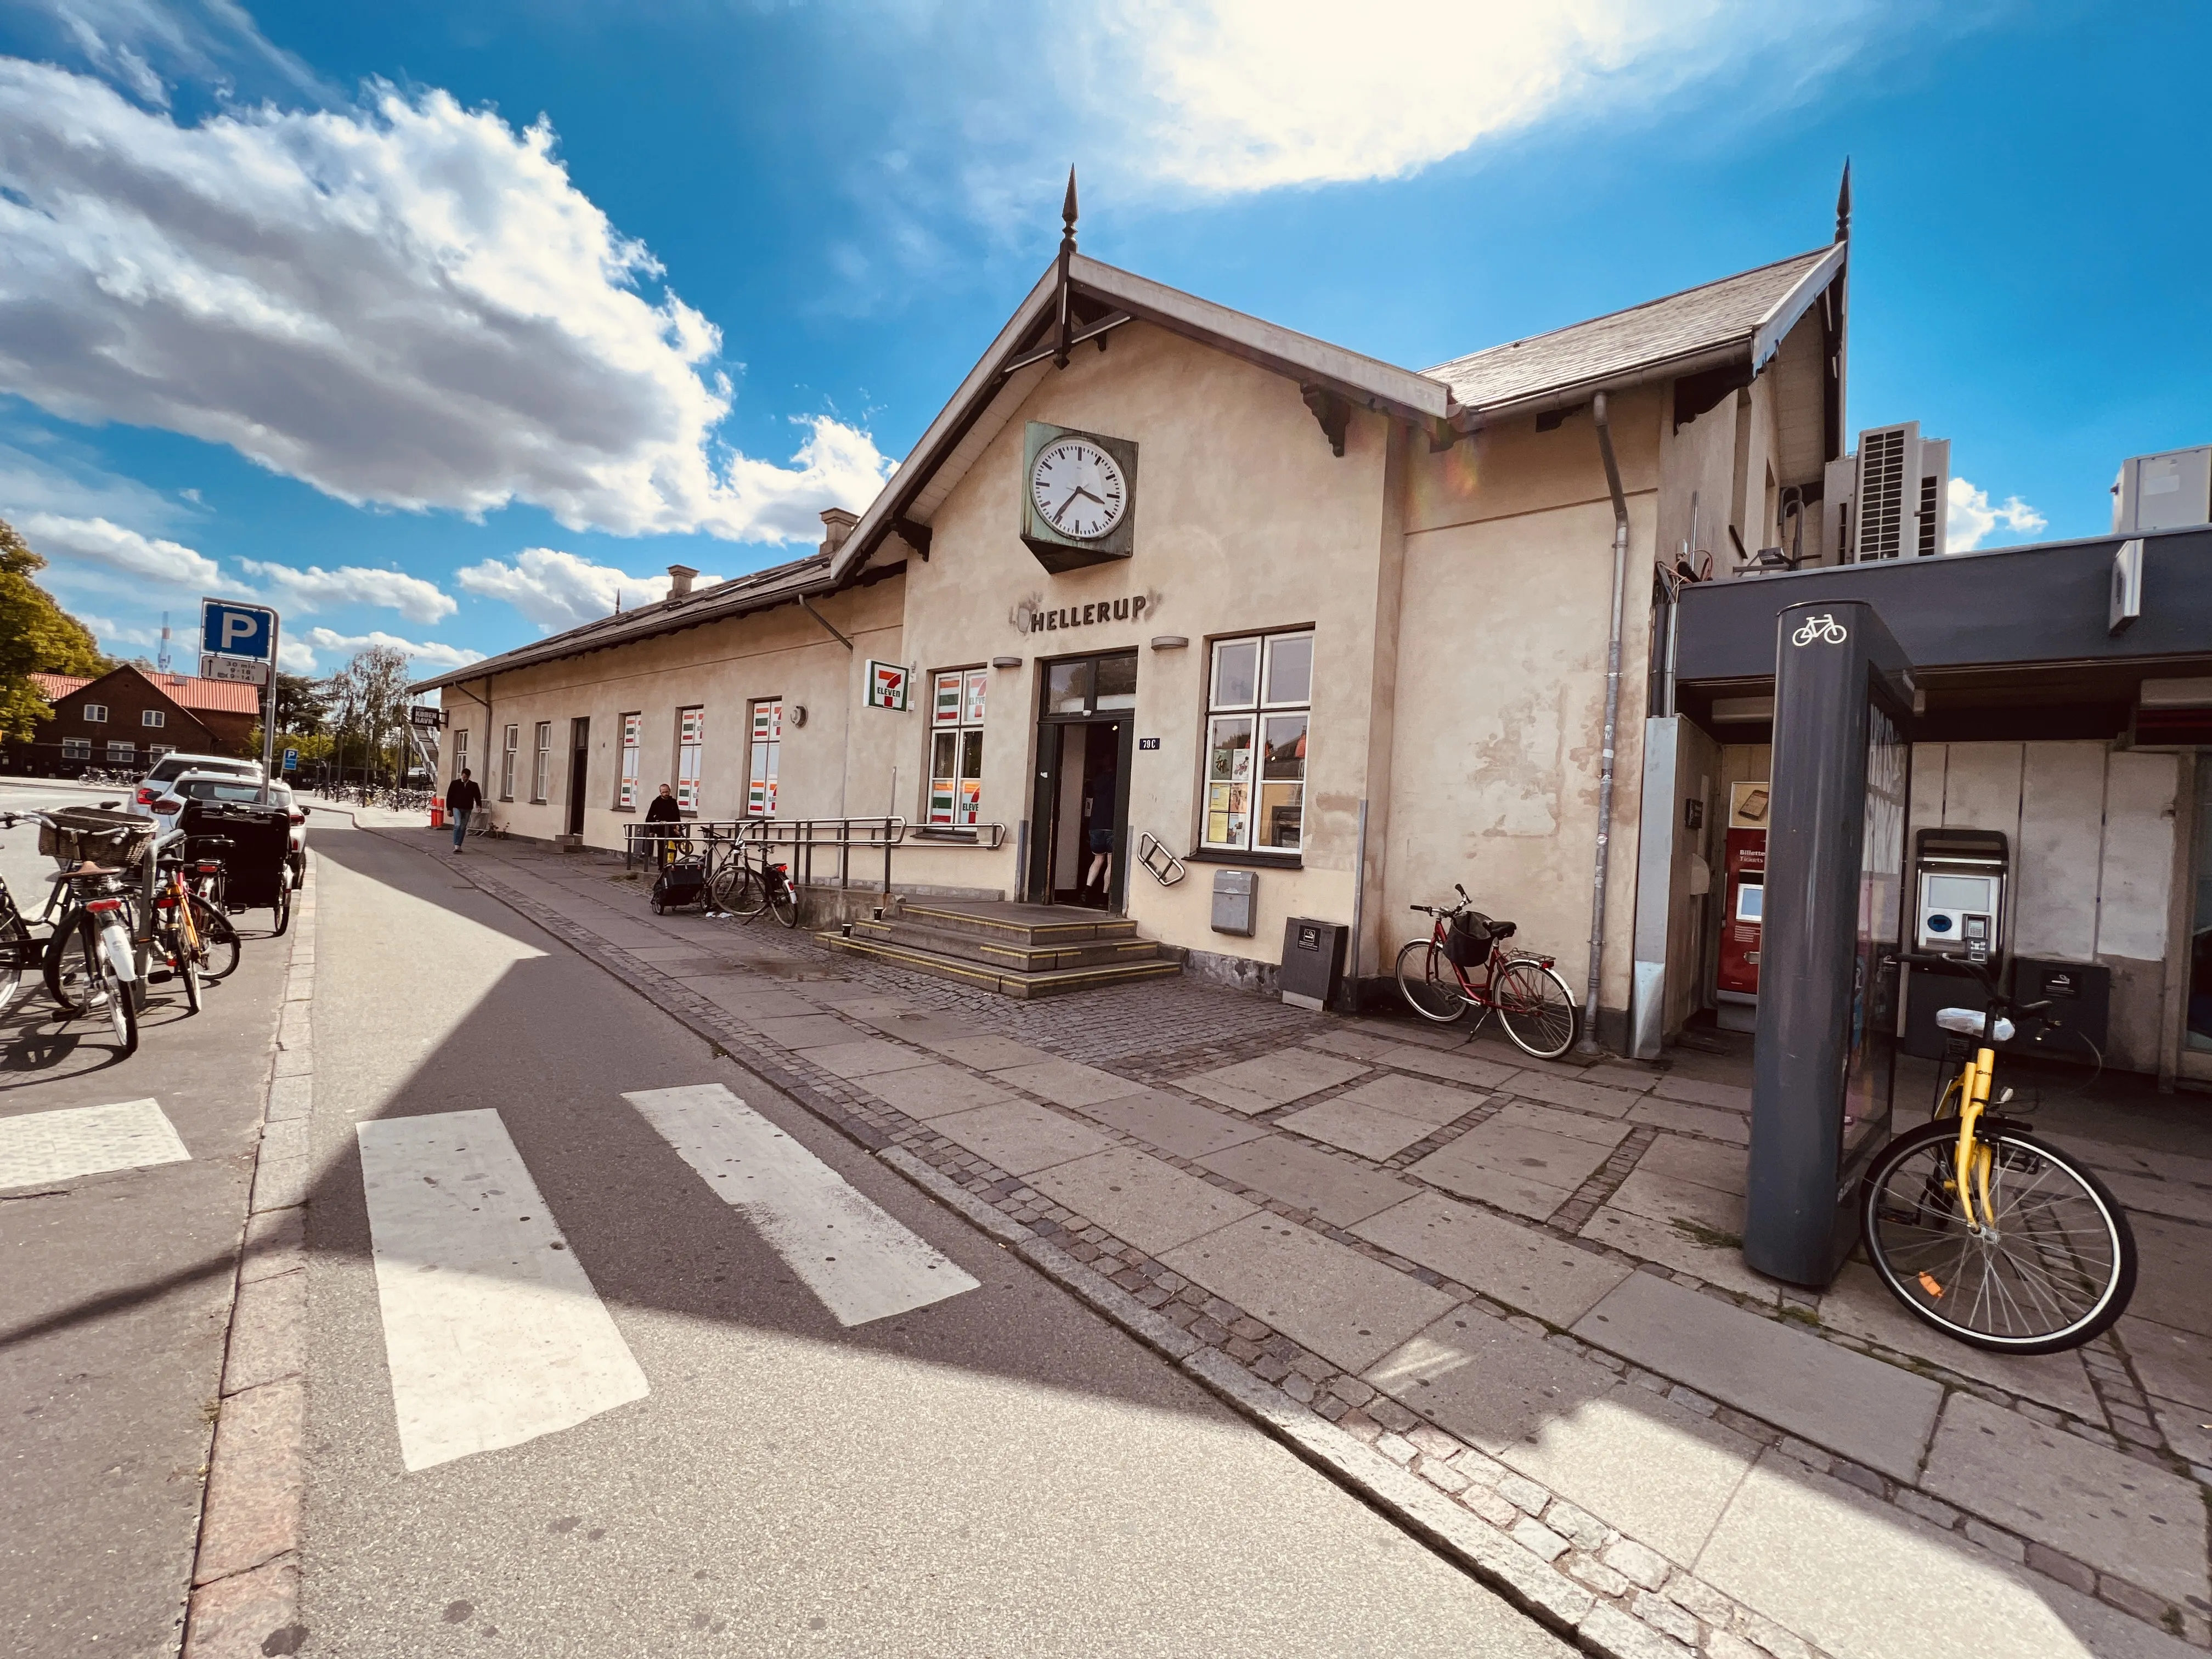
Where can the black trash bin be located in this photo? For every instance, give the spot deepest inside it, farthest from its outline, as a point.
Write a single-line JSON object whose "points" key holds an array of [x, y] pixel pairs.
{"points": [[1313, 961]]}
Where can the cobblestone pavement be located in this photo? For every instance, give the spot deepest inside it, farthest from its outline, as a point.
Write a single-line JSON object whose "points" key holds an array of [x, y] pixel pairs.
{"points": [[1517, 1282]]}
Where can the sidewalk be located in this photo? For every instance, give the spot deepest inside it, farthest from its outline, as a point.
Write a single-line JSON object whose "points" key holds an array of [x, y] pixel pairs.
{"points": [[1517, 1282]]}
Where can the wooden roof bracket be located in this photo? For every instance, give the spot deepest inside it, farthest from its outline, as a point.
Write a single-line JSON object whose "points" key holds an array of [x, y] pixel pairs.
{"points": [[1331, 410]]}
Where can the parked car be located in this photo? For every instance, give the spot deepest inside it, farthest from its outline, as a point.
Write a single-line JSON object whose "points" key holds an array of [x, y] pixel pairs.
{"points": [[228, 785], [174, 765]]}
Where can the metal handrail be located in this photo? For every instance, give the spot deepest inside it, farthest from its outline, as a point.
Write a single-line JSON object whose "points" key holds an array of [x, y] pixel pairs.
{"points": [[805, 837]]}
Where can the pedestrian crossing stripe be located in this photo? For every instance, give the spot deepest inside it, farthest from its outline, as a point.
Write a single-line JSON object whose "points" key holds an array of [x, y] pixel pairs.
{"points": [[863, 1265]]}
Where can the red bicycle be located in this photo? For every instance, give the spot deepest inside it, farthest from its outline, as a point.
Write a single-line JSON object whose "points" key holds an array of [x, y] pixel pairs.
{"points": [[1530, 1001]]}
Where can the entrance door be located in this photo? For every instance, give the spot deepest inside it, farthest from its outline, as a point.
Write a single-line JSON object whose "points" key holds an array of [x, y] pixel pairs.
{"points": [[1079, 855], [579, 755], [2195, 951]]}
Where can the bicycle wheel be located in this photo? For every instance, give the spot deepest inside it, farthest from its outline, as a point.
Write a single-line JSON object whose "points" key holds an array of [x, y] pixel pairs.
{"points": [[120, 996], [283, 906], [782, 898], [72, 971], [1535, 1007], [737, 888], [218, 939], [18, 952], [2054, 1270], [1428, 982]]}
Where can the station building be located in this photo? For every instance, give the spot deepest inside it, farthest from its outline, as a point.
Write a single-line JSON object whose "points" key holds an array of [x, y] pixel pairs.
{"points": [[1237, 602]]}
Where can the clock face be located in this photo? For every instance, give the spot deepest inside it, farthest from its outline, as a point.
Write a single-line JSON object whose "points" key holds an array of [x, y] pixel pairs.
{"points": [[1078, 488]]}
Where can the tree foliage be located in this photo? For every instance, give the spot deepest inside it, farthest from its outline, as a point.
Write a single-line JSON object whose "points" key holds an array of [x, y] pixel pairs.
{"points": [[303, 705], [36, 636]]}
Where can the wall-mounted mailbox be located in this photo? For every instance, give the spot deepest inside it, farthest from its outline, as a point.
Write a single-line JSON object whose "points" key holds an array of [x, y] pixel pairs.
{"points": [[1234, 892]]}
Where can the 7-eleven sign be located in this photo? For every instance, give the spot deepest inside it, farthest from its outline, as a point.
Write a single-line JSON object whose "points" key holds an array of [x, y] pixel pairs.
{"points": [[887, 685]]}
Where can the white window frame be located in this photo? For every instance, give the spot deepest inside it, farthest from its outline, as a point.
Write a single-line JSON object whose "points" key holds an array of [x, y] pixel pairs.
{"points": [[76, 749], [957, 697], [1234, 803], [157, 718], [691, 755], [122, 752], [627, 784], [95, 714], [460, 751], [513, 736], [541, 763], [155, 750], [763, 755]]}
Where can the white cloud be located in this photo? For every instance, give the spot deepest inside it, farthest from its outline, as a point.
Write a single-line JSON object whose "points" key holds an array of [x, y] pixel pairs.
{"points": [[306, 656], [311, 589], [1971, 516], [405, 302], [105, 542], [557, 590], [112, 634]]}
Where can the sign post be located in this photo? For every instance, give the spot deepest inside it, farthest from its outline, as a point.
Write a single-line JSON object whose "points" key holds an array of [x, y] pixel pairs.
{"points": [[247, 633]]}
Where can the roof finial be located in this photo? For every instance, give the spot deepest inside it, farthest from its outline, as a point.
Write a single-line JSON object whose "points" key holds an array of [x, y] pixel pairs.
{"points": [[1067, 215], [1844, 205], [1066, 317]]}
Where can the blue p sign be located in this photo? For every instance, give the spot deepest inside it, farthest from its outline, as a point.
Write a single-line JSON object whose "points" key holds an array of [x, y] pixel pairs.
{"points": [[236, 630]]}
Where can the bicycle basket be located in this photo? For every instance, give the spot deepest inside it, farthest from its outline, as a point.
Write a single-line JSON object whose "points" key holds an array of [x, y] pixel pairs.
{"points": [[79, 835], [1467, 941]]}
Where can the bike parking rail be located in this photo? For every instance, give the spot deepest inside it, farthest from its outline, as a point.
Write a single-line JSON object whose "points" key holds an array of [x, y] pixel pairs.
{"points": [[851, 839]]}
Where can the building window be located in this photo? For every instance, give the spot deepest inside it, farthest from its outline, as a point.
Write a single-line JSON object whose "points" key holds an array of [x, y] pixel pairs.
{"points": [[121, 754], [152, 717], [1260, 700], [541, 764], [95, 714], [633, 741], [956, 745], [507, 762], [460, 751], [155, 751], [763, 757], [690, 745], [76, 749]]}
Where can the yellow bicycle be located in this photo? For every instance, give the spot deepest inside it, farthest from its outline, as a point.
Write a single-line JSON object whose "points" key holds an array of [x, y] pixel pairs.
{"points": [[1992, 1236]]}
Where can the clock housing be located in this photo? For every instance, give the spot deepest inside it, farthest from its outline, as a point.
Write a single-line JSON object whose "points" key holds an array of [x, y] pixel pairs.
{"points": [[1082, 469]]}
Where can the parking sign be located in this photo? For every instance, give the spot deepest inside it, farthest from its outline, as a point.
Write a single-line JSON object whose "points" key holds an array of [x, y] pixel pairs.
{"points": [[291, 760], [228, 629]]}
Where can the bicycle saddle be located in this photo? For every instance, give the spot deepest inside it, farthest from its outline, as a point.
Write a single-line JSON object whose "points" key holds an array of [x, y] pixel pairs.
{"points": [[1967, 1022], [1504, 929]]}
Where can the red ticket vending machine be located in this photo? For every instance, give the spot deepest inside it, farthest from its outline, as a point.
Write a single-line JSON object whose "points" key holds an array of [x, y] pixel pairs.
{"points": [[1736, 985]]}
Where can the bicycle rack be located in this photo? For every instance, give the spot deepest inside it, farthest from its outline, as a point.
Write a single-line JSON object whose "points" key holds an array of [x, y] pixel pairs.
{"points": [[1161, 866]]}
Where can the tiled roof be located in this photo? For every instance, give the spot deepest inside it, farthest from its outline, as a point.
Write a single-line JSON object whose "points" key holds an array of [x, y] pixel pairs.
{"points": [[217, 697], [51, 686], [761, 588], [1657, 332]]}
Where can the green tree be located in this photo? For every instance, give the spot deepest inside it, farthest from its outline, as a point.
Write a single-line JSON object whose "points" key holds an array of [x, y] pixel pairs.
{"points": [[36, 636], [303, 705]]}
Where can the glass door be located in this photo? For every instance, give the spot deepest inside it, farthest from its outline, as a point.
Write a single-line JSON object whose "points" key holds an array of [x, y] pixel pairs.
{"points": [[1080, 820]]}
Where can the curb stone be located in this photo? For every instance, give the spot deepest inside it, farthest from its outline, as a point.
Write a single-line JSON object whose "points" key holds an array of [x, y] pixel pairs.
{"points": [[245, 1598]]}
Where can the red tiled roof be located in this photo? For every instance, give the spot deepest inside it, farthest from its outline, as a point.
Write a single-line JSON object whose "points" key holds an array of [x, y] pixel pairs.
{"points": [[221, 696], [53, 686]]}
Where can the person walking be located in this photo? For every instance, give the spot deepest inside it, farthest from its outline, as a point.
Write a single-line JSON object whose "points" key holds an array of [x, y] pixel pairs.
{"points": [[662, 809], [462, 798], [1098, 821]]}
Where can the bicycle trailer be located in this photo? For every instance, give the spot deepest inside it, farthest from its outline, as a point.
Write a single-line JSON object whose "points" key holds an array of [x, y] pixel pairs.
{"points": [[682, 885], [255, 874]]}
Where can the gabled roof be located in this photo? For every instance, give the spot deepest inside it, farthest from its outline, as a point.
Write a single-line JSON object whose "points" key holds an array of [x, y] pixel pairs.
{"points": [[54, 687], [1698, 328], [186, 691], [762, 589]]}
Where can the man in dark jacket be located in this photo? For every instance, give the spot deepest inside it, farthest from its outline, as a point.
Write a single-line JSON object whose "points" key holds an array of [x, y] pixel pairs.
{"points": [[664, 809], [462, 798]]}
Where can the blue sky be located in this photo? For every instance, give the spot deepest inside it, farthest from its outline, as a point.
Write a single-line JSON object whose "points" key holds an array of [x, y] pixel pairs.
{"points": [[446, 322]]}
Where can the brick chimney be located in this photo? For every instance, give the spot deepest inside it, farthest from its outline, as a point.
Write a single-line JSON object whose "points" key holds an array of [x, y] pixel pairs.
{"points": [[680, 577], [837, 524]]}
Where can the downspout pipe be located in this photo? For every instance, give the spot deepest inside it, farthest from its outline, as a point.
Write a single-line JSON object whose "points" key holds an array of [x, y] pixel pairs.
{"points": [[1589, 1045]]}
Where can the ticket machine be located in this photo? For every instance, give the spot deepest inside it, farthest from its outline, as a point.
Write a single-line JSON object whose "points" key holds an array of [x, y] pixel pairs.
{"points": [[1743, 899]]}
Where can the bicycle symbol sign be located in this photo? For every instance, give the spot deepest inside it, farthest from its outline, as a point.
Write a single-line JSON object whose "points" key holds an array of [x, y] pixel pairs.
{"points": [[1819, 628]]}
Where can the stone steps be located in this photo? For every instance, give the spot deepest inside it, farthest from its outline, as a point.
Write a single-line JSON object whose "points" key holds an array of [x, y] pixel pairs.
{"points": [[1018, 950]]}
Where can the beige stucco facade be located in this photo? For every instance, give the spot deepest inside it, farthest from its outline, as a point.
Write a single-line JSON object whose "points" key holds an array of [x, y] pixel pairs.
{"points": [[1459, 599]]}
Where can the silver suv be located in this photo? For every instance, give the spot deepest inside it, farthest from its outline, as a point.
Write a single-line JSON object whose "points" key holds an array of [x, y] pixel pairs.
{"points": [[174, 765]]}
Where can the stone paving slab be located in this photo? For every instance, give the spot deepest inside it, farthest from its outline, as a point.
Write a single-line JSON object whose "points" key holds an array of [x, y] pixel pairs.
{"points": [[1872, 1412], [1357, 1126], [1664, 1242], [1866, 1581], [1346, 1307], [1272, 1080], [2120, 1515], [2149, 1195], [861, 1057], [1659, 1473], [1605, 1101], [1152, 1205], [1338, 1193], [932, 1091], [1359, 1045], [913, 1025], [1663, 1199], [986, 1054], [2171, 1287], [1470, 1069], [1067, 1082], [749, 999], [1691, 1119], [814, 1031], [1517, 1161], [1019, 1136], [1523, 1266], [1573, 1125], [1857, 1303], [1171, 1123], [1722, 1168], [2173, 1363], [2187, 1429], [1729, 1097]]}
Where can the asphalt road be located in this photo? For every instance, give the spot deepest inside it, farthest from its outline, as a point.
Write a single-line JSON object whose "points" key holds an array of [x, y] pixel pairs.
{"points": [[999, 1472], [114, 1291]]}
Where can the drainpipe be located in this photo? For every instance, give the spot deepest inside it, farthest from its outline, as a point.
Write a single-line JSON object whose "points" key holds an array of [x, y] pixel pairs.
{"points": [[1589, 1045]]}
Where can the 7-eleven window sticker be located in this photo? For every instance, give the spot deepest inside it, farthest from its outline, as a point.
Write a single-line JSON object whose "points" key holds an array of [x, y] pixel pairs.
{"points": [[955, 746], [887, 685], [633, 735], [764, 754], [690, 745]]}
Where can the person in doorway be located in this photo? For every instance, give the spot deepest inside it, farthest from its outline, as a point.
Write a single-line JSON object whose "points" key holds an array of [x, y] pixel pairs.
{"points": [[1098, 823], [663, 809], [462, 798]]}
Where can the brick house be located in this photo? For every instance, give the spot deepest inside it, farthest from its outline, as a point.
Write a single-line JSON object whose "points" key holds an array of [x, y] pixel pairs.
{"points": [[128, 718]]}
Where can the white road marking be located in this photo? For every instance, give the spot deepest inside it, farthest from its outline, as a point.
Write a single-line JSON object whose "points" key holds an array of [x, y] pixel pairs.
{"points": [[493, 1332], [862, 1263], [81, 1140]]}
